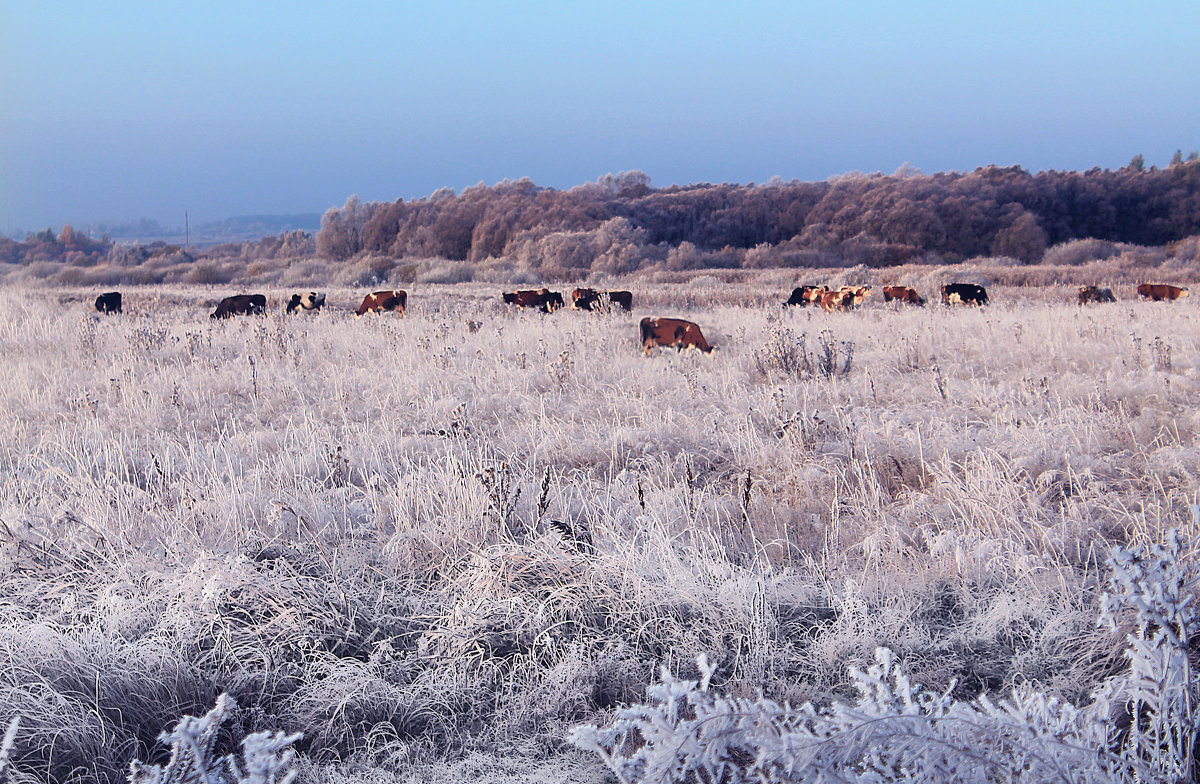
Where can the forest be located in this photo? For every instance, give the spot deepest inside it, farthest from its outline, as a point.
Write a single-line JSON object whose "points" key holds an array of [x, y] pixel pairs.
{"points": [[621, 223]]}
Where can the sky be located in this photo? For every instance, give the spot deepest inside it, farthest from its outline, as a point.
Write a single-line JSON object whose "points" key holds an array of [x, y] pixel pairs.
{"points": [[125, 109]]}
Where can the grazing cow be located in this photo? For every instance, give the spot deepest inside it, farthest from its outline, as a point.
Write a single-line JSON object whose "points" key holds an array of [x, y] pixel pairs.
{"points": [[908, 296], [1161, 291], [308, 301], [380, 301], [1095, 294], [842, 299], [806, 295], [544, 300], [590, 299], [622, 299], [964, 294], [109, 303], [672, 332], [241, 305]]}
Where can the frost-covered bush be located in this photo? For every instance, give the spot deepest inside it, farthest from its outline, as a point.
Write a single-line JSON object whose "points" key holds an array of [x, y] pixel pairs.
{"points": [[899, 731], [1076, 252], [1159, 698], [447, 272], [784, 354], [266, 757]]}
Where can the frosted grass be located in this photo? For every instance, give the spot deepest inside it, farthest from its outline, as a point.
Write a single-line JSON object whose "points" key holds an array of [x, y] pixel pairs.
{"points": [[343, 521]]}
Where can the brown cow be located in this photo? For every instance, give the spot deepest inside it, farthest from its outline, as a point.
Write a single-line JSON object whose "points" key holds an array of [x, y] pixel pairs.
{"points": [[542, 299], [240, 305], [1095, 294], [590, 299], [1161, 291], [842, 299], [380, 301], [908, 296], [672, 332]]}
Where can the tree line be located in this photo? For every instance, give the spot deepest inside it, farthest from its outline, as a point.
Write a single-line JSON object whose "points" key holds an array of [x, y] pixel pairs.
{"points": [[621, 222], [76, 248]]}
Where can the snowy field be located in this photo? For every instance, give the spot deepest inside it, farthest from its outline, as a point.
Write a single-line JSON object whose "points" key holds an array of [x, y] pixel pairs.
{"points": [[434, 544]]}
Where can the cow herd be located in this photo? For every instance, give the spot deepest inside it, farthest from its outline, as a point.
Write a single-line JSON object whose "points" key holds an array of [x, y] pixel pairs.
{"points": [[654, 332], [547, 301], [849, 297]]}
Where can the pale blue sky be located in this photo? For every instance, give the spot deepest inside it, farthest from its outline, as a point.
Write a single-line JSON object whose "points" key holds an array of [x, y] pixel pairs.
{"points": [[124, 109]]}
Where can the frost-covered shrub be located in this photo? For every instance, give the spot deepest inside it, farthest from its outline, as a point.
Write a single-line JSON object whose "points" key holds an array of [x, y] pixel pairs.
{"points": [[209, 273], [786, 354], [447, 272], [1160, 695], [1076, 252], [898, 731], [1187, 250], [266, 757]]}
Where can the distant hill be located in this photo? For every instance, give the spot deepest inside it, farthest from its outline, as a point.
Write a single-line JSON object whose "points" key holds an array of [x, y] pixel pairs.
{"points": [[236, 229]]}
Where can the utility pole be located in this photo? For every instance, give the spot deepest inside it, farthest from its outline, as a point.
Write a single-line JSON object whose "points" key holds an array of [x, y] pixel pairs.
{"points": [[187, 232]]}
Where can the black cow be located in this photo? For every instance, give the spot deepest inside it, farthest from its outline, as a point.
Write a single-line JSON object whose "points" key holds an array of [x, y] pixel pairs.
{"points": [[109, 303], [964, 294], [1095, 294], [240, 305], [590, 299], [806, 295]]}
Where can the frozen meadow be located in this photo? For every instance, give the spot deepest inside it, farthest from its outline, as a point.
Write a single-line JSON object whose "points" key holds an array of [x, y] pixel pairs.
{"points": [[434, 544]]}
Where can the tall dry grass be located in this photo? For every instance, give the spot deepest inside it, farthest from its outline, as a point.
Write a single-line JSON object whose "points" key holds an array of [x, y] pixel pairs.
{"points": [[453, 535]]}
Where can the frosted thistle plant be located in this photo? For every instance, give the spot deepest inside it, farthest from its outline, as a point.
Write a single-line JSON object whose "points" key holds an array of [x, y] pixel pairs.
{"points": [[898, 731], [1161, 691], [266, 757]]}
